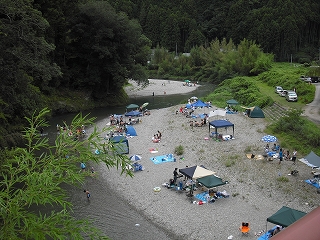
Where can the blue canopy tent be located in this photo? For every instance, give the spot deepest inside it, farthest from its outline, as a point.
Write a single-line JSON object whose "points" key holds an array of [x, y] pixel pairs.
{"points": [[221, 124], [130, 131], [199, 103], [133, 114]]}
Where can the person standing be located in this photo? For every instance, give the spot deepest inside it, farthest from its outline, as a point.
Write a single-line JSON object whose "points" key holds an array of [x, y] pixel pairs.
{"points": [[159, 135], [280, 155], [175, 175], [87, 193], [83, 166], [294, 156]]}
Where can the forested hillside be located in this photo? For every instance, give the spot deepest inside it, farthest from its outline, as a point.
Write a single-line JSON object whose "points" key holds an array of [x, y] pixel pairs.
{"points": [[282, 27], [50, 50]]}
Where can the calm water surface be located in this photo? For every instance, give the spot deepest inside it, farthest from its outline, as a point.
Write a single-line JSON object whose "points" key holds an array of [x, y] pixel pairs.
{"points": [[111, 214]]}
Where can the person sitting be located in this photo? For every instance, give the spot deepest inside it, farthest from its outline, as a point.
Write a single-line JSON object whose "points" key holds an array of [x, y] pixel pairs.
{"points": [[155, 139], [244, 228], [277, 230]]}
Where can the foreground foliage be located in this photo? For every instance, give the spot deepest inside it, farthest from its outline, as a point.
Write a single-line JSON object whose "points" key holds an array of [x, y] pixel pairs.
{"points": [[31, 177]]}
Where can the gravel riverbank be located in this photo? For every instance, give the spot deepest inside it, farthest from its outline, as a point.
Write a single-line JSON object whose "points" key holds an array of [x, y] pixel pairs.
{"points": [[257, 188]]}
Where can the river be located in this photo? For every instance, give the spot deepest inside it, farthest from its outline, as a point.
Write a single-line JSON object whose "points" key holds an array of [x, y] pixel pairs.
{"points": [[106, 209]]}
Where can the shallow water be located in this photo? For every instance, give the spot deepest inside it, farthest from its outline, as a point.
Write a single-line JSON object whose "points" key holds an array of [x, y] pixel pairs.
{"points": [[108, 211]]}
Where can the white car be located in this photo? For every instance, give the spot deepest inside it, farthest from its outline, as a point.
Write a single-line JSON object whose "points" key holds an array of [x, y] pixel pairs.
{"points": [[291, 96], [306, 79], [278, 89], [283, 93]]}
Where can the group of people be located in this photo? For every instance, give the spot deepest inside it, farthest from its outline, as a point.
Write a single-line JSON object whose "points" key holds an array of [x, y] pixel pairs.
{"points": [[198, 124], [157, 137], [77, 132], [283, 154]]}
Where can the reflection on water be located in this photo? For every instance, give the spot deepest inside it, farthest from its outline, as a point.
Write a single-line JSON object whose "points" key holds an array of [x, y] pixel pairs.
{"points": [[111, 214]]}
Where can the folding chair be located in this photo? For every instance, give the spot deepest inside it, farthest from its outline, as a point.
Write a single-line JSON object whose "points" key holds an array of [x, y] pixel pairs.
{"points": [[245, 228]]}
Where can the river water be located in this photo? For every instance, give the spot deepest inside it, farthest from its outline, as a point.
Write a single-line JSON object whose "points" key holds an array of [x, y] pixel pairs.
{"points": [[106, 209]]}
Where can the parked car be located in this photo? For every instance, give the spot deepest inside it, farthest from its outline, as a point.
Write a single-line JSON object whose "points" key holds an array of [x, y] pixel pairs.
{"points": [[314, 79], [278, 89], [291, 96], [305, 78], [283, 93]]}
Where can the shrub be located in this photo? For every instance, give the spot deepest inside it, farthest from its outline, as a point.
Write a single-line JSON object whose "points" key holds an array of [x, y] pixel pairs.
{"points": [[179, 150]]}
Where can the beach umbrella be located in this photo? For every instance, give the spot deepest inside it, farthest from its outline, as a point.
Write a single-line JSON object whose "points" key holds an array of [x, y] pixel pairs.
{"points": [[269, 138], [144, 105], [194, 98], [135, 158], [187, 81]]}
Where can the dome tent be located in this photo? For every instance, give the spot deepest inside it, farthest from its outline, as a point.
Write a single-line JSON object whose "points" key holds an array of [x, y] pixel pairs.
{"points": [[254, 112]]}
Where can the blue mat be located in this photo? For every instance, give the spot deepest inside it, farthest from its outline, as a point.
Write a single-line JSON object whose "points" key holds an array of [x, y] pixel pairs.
{"points": [[163, 159], [316, 184], [267, 235], [202, 196]]}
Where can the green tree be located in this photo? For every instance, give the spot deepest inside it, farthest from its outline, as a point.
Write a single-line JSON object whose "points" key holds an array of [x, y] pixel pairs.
{"points": [[25, 69], [104, 48], [32, 176]]}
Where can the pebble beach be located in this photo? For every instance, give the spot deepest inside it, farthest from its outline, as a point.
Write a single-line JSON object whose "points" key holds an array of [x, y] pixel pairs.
{"points": [[254, 189]]}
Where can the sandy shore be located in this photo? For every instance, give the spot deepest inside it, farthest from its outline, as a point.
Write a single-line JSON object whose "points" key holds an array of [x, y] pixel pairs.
{"points": [[159, 87], [255, 192]]}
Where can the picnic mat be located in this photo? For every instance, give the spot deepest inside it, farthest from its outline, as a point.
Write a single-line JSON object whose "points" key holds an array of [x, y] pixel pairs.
{"points": [[315, 184], [163, 159], [202, 196], [267, 234]]}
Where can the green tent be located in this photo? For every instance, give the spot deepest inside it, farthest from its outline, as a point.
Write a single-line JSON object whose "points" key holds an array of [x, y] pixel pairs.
{"points": [[285, 216], [232, 102], [132, 106], [211, 181], [255, 112]]}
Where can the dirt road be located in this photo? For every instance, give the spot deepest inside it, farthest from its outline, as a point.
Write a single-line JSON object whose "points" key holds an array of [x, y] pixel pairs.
{"points": [[312, 110]]}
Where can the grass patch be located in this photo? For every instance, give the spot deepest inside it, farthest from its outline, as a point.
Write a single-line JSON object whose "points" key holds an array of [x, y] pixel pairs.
{"points": [[282, 179], [230, 162]]}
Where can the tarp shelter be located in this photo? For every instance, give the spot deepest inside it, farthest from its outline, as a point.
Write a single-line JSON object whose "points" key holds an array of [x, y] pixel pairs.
{"points": [[199, 103], [132, 106], [195, 172], [218, 112], [221, 124], [312, 160], [306, 227], [211, 181], [130, 131], [232, 102], [133, 114], [121, 144], [255, 112], [285, 216]]}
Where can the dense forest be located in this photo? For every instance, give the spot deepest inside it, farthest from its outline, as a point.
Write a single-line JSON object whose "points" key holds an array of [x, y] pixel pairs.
{"points": [[51, 49]]}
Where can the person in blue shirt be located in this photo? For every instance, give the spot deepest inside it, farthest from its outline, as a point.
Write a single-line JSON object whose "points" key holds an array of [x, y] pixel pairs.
{"points": [[280, 155]]}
